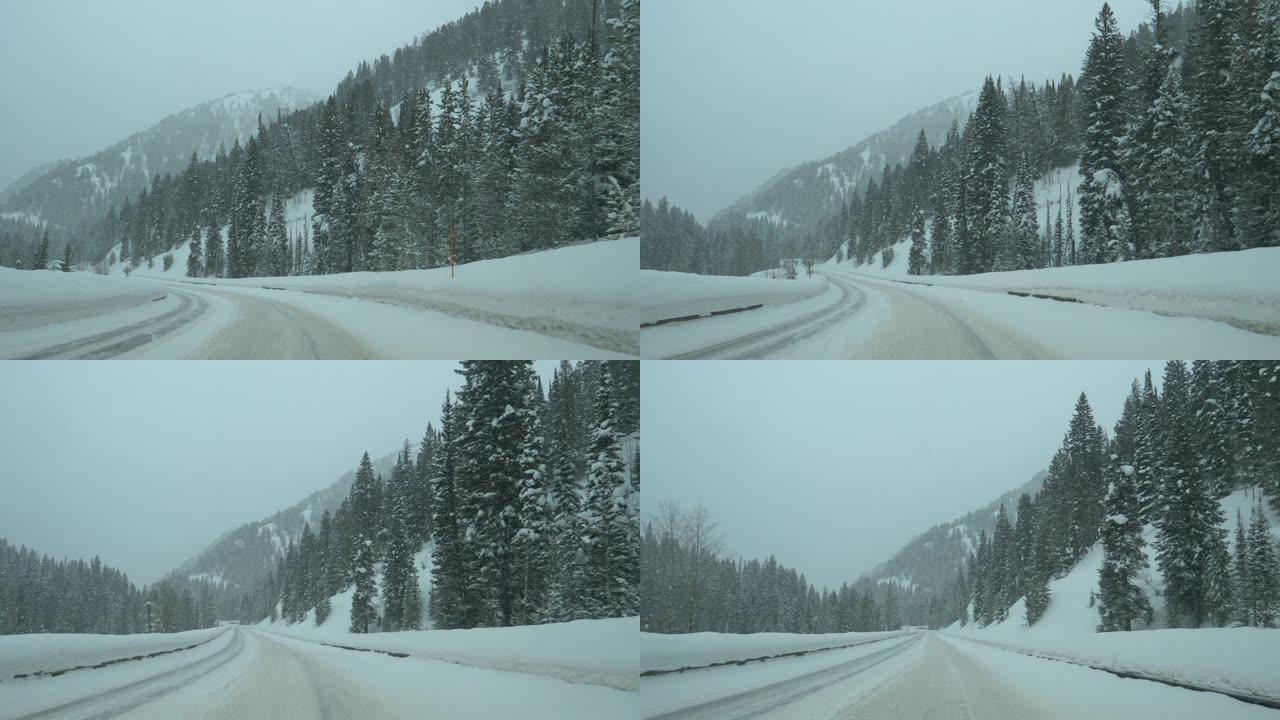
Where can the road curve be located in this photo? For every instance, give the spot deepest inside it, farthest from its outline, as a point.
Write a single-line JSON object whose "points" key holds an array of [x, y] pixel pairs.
{"points": [[763, 342], [117, 341], [263, 329]]}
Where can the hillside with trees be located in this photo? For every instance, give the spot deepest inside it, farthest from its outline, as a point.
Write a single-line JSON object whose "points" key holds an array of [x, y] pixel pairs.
{"points": [[528, 502], [513, 129], [1174, 131]]}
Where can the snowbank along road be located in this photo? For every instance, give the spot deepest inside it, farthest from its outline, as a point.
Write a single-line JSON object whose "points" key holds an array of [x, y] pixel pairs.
{"points": [[246, 673], [876, 318], [928, 675]]}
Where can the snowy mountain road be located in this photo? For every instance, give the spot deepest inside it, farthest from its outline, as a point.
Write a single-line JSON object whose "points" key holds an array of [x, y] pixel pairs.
{"points": [[761, 343], [878, 318], [179, 309], [231, 321], [245, 673], [930, 676]]}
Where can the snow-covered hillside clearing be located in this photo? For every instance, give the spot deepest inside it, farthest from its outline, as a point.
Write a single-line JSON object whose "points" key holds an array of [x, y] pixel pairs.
{"points": [[1240, 660]]}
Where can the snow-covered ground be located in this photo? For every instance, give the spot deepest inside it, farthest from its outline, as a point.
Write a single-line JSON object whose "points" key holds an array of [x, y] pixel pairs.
{"points": [[50, 652], [1219, 306], [1239, 660], [577, 302], [246, 673], [22, 291], [594, 652], [816, 685], [694, 650]]}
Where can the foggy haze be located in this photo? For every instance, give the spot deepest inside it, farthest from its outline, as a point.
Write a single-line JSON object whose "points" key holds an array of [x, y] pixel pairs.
{"points": [[146, 463], [735, 91], [834, 466], [85, 74]]}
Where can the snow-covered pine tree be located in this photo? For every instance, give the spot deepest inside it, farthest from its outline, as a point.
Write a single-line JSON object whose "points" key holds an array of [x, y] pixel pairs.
{"points": [[1190, 544], [194, 267], [419, 486], [1085, 478], [1212, 107], [1038, 573], [1101, 192], [985, 181], [1264, 573], [1025, 250], [40, 259], [998, 581], [618, 121], [402, 602], [1024, 538], [1212, 433], [539, 513], [214, 253], [1058, 239], [916, 261], [363, 613], [275, 251], [1171, 167], [66, 257], [610, 516], [244, 240], [493, 415], [1241, 575], [1120, 599], [1148, 442], [449, 603]]}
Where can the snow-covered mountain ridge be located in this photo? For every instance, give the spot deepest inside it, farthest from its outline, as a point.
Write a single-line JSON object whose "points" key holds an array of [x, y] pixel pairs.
{"points": [[812, 192], [73, 194]]}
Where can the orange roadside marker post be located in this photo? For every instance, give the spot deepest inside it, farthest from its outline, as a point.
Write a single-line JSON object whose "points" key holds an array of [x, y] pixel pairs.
{"points": [[453, 252]]}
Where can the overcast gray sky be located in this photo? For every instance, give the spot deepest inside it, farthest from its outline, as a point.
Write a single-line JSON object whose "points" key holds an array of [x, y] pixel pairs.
{"points": [[146, 463], [736, 90], [83, 74], [833, 466]]}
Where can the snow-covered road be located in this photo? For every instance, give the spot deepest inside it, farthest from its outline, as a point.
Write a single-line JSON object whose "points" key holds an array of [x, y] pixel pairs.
{"points": [[870, 317], [202, 321], [925, 676], [246, 673]]}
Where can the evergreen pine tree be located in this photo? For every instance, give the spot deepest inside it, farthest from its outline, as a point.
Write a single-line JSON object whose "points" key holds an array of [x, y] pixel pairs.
{"points": [[449, 603], [66, 257], [40, 260], [362, 610], [610, 516], [1120, 600], [986, 180], [194, 267], [1102, 92], [1243, 578], [1264, 573], [916, 261]]}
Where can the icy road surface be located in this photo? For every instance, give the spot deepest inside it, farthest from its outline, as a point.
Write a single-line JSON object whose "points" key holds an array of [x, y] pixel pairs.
{"points": [[201, 321], [925, 676], [867, 317], [250, 674]]}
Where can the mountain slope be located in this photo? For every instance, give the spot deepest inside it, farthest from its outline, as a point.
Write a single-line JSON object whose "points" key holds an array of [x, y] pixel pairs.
{"points": [[925, 568], [811, 193], [241, 558], [72, 195]]}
